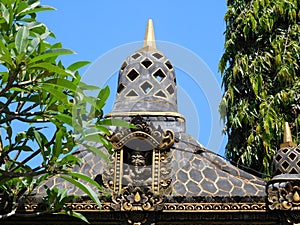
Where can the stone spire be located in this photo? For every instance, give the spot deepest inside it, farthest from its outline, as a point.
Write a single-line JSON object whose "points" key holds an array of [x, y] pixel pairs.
{"points": [[287, 137], [149, 41], [147, 83], [287, 159]]}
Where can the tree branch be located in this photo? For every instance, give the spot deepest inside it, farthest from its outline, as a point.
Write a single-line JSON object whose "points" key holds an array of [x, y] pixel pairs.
{"points": [[36, 153], [5, 106], [11, 213], [27, 215], [9, 174], [32, 120], [11, 78], [14, 117], [19, 152], [30, 107]]}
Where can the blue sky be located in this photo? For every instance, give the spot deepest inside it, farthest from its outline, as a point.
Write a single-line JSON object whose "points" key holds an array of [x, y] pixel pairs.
{"points": [[96, 29]]}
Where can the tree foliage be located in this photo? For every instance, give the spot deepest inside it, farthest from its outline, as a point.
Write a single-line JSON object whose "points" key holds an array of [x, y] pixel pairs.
{"points": [[260, 70], [44, 113]]}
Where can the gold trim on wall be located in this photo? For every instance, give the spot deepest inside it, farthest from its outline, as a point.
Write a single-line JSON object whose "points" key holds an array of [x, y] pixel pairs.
{"points": [[168, 207], [123, 114]]}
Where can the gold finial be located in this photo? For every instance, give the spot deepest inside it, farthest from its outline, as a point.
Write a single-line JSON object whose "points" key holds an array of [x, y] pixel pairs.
{"points": [[287, 137], [149, 41]]}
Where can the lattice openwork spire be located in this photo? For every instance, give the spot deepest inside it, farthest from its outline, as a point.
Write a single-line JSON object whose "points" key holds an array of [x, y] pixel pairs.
{"points": [[147, 81]]}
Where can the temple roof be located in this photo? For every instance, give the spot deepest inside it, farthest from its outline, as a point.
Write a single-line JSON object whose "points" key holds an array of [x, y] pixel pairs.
{"points": [[185, 167], [159, 173], [195, 172]]}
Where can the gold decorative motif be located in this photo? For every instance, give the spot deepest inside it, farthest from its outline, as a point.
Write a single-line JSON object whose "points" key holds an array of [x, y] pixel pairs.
{"points": [[283, 194], [167, 141], [156, 137], [214, 207], [137, 199], [287, 137], [141, 157], [122, 114], [296, 197], [167, 207], [149, 40]]}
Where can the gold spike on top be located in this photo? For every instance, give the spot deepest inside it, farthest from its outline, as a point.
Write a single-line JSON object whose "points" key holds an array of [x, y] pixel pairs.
{"points": [[287, 137], [149, 41]]}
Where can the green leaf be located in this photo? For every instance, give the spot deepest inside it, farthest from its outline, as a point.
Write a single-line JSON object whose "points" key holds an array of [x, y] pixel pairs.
{"points": [[33, 45], [103, 129], [86, 189], [69, 159], [24, 148], [4, 181], [97, 151], [75, 66], [3, 45], [91, 101], [56, 93], [38, 139], [9, 131], [62, 194], [5, 13], [19, 89], [86, 178], [34, 9], [21, 40], [34, 24], [64, 118], [59, 82], [51, 68], [106, 143], [88, 87], [116, 122], [75, 214], [57, 148], [51, 53], [94, 137], [102, 96], [7, 59]]}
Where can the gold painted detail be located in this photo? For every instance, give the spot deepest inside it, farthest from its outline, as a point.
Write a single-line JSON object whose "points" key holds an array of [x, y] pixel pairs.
{"points": [[158, 138], [283, 194], [287, 137], [137, 199], [149, 40], [167, 206], [125, 114], [214, 207], [156, 170], [142, 166]]}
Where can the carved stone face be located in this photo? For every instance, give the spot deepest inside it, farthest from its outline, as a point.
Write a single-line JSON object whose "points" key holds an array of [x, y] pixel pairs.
{"points": [[137, 159]]}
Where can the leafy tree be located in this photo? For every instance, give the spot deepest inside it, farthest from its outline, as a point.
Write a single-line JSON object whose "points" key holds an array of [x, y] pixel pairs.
{"points": [[260, 70], [39, 99]]}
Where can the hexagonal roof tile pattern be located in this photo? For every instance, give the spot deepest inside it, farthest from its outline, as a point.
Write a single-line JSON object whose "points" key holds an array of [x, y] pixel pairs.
{"points": [[195, 173], [202, 173]]}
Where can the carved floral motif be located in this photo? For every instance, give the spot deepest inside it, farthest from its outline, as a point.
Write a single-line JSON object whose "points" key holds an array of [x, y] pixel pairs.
{"points": [[137, 199], [167, 207], [283, 195], [156, 136]]}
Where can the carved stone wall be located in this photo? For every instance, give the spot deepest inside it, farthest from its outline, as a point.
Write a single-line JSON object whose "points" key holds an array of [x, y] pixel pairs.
{"points": [[284, 195]]}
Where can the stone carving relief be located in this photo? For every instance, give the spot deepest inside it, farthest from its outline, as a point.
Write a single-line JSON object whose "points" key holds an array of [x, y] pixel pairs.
{"points": [[137, 199], [141, 169], [284, 195]]}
